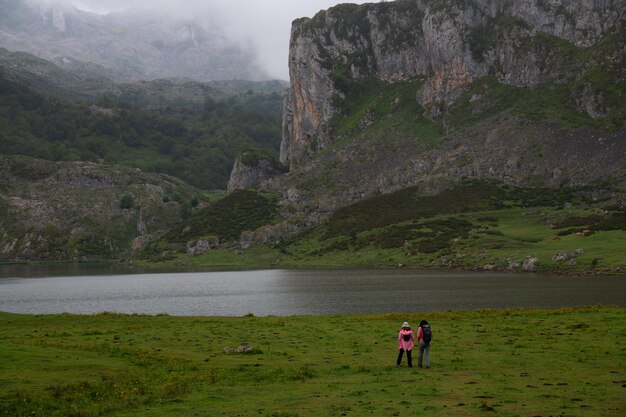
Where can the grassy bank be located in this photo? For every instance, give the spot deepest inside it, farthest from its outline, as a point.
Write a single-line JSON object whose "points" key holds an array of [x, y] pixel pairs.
{"points": [[508, 363], [476, 225]]}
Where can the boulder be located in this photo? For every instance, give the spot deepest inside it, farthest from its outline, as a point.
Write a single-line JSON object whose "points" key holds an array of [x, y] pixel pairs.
{"points": [[530, 264], [204, 245], [251, 168], [563, 256], [244, 348]]}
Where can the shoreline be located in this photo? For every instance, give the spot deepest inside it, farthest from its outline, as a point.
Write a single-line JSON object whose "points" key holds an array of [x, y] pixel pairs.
{"points": [[148, 266], [486, 311]]}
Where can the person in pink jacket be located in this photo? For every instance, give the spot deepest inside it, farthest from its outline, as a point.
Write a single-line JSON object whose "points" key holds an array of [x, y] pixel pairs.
{"points": [[405, 343]]}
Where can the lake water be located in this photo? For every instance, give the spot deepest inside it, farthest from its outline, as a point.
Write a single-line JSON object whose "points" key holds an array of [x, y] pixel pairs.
{"points": [[80, 289]]}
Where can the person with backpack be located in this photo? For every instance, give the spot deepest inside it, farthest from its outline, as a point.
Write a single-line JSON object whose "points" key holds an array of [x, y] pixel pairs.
{"points": [[405, 343], [424, 336]]}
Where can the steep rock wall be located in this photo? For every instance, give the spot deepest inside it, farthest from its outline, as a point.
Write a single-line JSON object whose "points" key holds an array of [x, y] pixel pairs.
{"points": [[447, 43]]}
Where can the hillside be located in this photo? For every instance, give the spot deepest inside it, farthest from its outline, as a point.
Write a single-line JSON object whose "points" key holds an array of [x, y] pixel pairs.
{"points": [[475, 134], [124, 46], [417, 94], [89, 85], [191, 131], [84, 211], [84, 155]]}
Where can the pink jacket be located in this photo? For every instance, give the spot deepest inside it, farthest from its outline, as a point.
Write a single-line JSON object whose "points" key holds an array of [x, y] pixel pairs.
{"points": [[405, 344]]}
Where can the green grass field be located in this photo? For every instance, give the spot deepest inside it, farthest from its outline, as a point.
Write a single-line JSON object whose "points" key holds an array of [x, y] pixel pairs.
{"points": [[569, 362]]}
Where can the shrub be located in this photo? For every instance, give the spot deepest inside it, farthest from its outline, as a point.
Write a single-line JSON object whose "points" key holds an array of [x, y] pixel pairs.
{"points": [[226, 219], [578, 221], [127, 202], [492, 232], [407, 204], [491, 219]]}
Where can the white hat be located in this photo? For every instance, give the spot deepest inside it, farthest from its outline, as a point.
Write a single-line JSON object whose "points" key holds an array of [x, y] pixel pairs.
{"points": [[405, 324]]}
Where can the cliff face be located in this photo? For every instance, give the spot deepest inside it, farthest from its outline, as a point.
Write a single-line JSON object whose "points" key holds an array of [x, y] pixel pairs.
{"points": [[251, 168], [447, 44]]}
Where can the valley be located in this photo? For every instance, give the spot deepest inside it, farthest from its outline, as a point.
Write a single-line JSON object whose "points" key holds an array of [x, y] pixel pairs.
{"points": [[409, 138]]}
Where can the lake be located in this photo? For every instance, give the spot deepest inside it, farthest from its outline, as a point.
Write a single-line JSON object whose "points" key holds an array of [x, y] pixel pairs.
{"points": [[88, 289]]}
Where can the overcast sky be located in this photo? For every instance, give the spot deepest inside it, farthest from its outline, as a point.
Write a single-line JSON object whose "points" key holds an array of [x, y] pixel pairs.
{"points": [[263, 24]]}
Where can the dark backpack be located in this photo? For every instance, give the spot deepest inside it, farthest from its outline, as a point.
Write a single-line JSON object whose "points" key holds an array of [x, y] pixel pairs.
{"points": [[427, 335]]}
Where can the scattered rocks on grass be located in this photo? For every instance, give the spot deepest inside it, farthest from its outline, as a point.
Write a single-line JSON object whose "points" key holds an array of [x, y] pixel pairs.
{"points": [[201, 246], [244, 348], [530, 264], [563, 256], [513, 265], [568, 256]]}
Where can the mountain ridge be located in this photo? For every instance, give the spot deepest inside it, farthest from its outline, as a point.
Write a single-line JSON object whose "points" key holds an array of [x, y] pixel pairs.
{"points": [[442, 42], [130, 46], [526, 107]]}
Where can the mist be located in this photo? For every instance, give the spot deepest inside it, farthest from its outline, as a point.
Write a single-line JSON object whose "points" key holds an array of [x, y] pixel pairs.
{"points": [[261, 25]]}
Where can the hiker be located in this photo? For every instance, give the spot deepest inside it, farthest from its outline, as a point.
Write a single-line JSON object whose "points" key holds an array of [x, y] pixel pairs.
{"points": [[424, 336], [405, 343]]}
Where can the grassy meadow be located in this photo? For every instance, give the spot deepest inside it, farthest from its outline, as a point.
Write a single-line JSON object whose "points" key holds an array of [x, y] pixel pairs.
{"points": [[568, 362]]}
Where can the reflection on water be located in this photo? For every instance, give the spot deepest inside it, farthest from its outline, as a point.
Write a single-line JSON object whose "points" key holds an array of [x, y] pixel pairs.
{"points": [[81, 289]]}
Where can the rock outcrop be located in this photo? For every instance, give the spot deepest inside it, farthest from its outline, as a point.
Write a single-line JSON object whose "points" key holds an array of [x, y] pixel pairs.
{"points": [[251, 168], [448, 44], [73, 211]]}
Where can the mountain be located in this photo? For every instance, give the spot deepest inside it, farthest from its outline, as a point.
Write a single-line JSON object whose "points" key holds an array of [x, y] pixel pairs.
{"points": [[425, 92], [124, 46], [83, 161], [475, 134], [67, 80]]}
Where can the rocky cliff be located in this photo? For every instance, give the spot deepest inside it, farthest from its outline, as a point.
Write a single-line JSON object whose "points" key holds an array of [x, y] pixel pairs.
{"points": [[447, 44], [251, 168], [422, 94], [79, 211]]}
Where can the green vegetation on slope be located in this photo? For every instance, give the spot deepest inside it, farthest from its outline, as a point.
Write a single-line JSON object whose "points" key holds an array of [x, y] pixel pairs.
{"points": [[512, 363], [372, 107], [79, 211], [198, 145], [222, 221], [476, 224], [592, 73], [470, 226], [487, 98], [253, 158]]}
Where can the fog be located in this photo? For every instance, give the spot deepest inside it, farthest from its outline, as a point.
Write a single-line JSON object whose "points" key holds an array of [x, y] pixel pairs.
{"points": [[264, 25]]}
